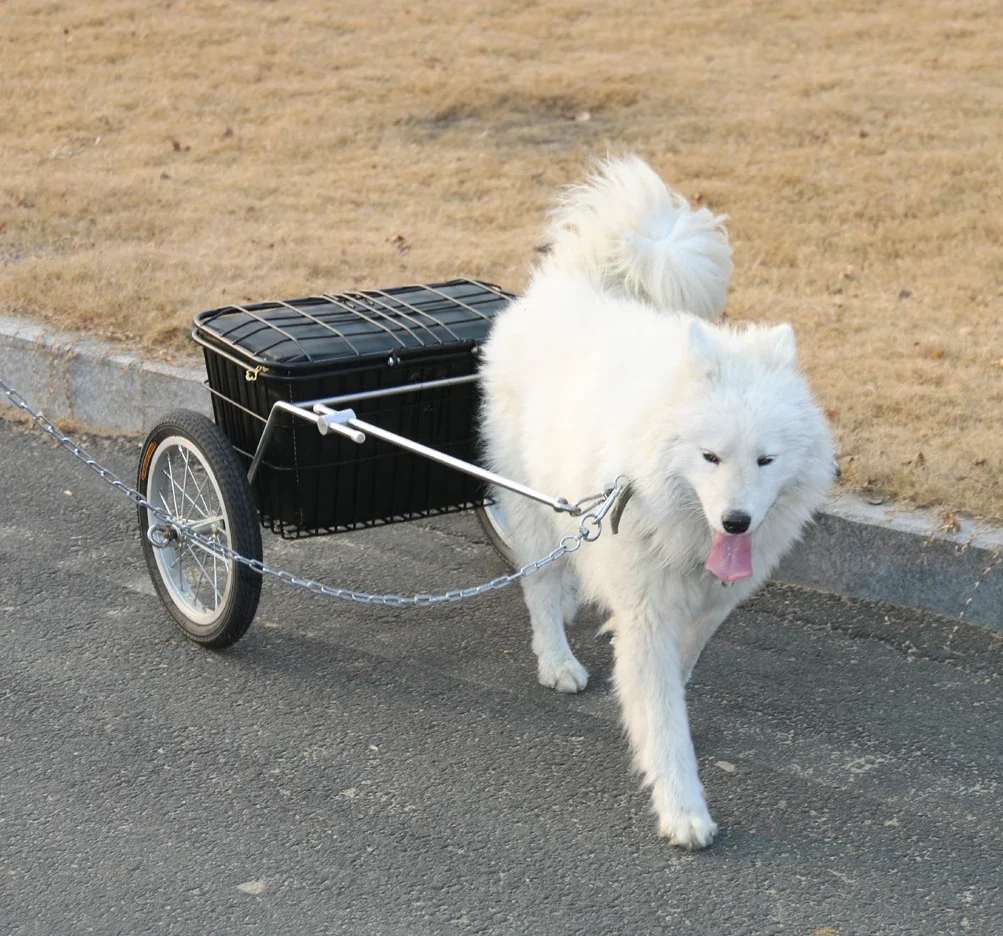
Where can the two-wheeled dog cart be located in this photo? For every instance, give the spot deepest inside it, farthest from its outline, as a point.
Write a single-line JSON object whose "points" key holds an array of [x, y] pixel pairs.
{"points": [[332, 413]]}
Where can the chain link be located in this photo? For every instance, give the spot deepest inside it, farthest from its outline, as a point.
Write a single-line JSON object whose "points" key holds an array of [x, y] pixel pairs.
{"points": [[589, 530]]}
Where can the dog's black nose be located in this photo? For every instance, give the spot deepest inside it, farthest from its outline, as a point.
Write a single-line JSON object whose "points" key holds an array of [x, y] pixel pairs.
{"points": [[734, 521]]}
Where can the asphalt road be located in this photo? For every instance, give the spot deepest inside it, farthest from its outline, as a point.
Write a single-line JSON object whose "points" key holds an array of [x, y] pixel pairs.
{"points": [[354, 770]]}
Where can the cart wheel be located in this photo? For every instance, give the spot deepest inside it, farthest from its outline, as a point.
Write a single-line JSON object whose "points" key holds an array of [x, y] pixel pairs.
{"points": [[189, 468], [492, 519]]}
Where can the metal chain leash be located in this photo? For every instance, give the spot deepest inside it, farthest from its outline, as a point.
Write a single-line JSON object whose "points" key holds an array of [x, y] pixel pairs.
{"points": [[589, 530]]}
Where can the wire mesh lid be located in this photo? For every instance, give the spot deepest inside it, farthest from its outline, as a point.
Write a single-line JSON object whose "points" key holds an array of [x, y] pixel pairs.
{"points": [[349, 326]]}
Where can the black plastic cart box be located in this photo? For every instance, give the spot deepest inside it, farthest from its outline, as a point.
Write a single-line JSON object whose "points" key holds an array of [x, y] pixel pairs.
{"points": [[352, 344]]}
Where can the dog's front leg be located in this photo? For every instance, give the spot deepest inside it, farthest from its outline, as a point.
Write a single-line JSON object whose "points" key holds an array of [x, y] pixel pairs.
{"points": [[648, 678], [696, 636], [548, 600]]}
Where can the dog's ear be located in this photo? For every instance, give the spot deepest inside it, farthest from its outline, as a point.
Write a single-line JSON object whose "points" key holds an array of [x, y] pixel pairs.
{"points": [[701, 349], [781, 345], [776, 345]]}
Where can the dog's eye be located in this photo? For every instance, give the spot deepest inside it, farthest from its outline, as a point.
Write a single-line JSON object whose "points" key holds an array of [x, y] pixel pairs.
{"points": [[711, 457], [765, 460]]}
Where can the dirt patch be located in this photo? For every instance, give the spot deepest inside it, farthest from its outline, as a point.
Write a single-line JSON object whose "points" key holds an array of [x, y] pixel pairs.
{"points": [[161, 158]]}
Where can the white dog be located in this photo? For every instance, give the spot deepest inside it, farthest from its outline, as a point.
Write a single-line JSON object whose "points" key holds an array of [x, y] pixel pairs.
{"points": [[606, 367]]}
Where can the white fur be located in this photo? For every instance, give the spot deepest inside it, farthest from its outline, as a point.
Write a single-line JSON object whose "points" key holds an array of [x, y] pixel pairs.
{"points": [[626, 232], [591, 374]]}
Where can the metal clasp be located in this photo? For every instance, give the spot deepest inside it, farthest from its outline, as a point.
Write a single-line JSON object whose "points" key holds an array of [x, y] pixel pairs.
{"points": [[590, 526]]}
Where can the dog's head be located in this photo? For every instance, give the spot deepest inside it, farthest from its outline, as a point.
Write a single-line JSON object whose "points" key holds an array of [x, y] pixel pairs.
{"points": [[750, 440]]}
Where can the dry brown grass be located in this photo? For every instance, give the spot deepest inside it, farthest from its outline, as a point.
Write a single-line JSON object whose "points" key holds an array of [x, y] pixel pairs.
{"points": [[160, 158]]}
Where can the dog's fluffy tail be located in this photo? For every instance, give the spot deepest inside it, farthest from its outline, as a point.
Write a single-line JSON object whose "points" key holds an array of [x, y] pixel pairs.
{"points": [[627, 232]]}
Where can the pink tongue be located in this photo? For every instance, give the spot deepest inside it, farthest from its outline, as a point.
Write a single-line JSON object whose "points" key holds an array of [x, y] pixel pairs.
{"points": [[730, 557]]}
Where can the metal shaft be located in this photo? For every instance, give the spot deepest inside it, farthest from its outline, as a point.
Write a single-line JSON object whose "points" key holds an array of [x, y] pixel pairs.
{"points": [[351, 428], [558, 503]]}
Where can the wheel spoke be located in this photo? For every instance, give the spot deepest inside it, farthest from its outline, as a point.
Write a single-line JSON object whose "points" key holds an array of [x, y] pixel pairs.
{"points": [[202, 575], [199, 488], [184, 479], [204, 572], [185, 497], [198, 494], [215, 584], [170, 474]]}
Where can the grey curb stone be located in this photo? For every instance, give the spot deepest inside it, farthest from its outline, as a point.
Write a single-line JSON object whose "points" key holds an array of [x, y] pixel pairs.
{"points": [[93, 381], [855, 548], [904, 557]]}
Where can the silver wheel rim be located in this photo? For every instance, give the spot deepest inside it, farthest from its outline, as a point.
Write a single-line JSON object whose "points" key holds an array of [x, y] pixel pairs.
{"points": [[198, 581], [495, 516]]}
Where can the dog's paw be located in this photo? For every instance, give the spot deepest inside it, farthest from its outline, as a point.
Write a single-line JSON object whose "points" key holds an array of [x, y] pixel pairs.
{"points": [[692, 829], [564, 675]]}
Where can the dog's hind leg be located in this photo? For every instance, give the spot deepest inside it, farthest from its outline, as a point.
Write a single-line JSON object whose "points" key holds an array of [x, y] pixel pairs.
{"points": [[648, 677]]}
